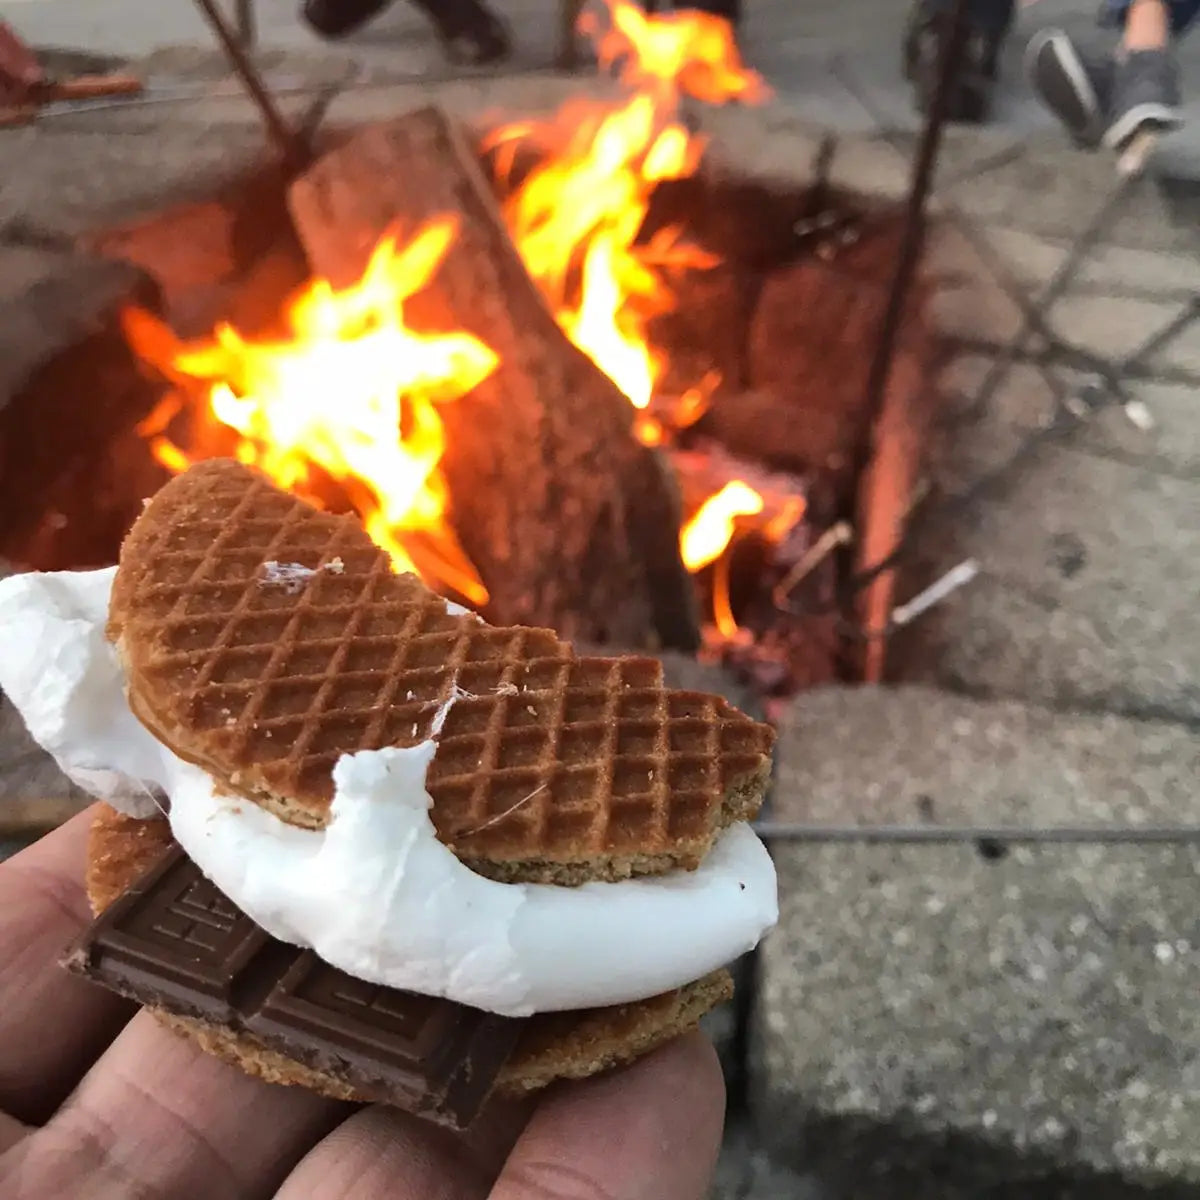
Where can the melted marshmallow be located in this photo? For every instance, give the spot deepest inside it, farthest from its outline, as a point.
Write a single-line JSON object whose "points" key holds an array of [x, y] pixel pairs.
{"points": [[375, 893]]}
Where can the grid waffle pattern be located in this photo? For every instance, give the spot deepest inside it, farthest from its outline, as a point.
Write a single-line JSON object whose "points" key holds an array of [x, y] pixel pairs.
{"points": [[265, 639]]}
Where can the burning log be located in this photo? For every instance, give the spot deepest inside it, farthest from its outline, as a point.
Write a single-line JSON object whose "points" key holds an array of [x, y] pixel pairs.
{"points": [[569, 521]]}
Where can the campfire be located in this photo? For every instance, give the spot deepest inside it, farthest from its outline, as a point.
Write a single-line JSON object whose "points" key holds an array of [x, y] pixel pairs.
{"points": [[352, 393], [563, 371]]}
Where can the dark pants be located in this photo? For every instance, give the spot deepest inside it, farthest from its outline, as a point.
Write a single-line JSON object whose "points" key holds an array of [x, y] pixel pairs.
{"points": [[988, 16]]}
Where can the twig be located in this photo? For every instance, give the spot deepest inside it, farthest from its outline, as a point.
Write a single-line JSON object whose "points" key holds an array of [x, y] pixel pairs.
{"points": [[1135, 156], [935, 593], [835, 536]]}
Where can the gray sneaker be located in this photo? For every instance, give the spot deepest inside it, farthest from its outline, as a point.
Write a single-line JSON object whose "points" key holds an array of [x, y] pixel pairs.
{"points": [[1075, 84], [1145, 97]]}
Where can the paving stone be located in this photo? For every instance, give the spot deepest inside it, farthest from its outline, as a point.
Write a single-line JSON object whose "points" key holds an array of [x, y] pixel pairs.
{"points": [[1090, 569], [1113, 270], [1048, 193], [917, 755], [1115, 327], [939, 1024], [970, 304], [870, 167], [59, 182], [1171, 445]]}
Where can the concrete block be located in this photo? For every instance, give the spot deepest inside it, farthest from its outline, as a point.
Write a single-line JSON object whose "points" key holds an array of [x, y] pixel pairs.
{"points": [[920, 756], [933, 1023]]}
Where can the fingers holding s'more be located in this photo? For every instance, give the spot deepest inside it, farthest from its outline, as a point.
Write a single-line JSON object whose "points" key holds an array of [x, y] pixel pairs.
{"points": [[52, 1026], [404, 848], [157, 1118]]}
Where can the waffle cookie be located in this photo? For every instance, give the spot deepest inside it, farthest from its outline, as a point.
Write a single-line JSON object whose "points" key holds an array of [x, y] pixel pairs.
{"points": [[263, 639], [568, 1045]]}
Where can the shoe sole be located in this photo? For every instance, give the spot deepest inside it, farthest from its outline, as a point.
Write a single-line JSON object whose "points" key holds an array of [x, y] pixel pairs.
{"points": [[1156, 117], [1074, 101]]}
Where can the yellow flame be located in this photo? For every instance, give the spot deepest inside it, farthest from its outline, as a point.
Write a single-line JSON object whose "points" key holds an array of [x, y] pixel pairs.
{"points": [[351, 391], [690, 52], [354, 393], [704, 538], [577, 218]]}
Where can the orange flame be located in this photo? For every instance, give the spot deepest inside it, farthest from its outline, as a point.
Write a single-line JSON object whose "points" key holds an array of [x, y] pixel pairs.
{"points": [[690, 52], [704, 538], [577, 218], [352, 391]]}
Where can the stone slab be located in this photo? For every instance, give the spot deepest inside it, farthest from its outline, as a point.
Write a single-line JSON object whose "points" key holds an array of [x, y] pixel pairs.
{"points": [[61, 181], [51, 301], [1116, 327], [919, 756], [1090, 566], [934, 1023], [1109, 269], [1052, 194], [970, 304]]}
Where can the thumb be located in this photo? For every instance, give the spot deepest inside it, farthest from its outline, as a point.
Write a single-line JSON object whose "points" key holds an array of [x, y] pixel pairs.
{"points": [[650, 1131]]}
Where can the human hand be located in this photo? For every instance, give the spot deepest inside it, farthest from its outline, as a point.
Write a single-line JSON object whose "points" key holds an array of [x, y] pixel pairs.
{"points": [[99, 1102]]}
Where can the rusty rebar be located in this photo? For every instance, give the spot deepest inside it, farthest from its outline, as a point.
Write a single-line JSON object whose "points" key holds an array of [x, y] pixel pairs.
{"points": [[950, 54]]}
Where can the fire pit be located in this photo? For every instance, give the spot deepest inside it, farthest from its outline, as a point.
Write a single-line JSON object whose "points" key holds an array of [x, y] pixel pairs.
{"points": [[575, 371]]}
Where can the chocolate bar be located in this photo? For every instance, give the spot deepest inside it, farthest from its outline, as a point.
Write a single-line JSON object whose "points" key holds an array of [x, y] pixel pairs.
{"points": [[175, 942]]}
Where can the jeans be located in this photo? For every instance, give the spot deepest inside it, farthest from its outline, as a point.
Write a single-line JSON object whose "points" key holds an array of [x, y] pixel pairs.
{"points": [[1183, 13]]}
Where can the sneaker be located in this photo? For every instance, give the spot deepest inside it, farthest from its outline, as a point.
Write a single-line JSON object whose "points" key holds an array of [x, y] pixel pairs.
{"points": [[1074, 84], [336, 18], [1145, 97]]}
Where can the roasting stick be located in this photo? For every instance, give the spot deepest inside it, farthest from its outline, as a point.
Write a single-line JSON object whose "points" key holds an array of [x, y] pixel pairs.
{"points": [[1135, 156]]}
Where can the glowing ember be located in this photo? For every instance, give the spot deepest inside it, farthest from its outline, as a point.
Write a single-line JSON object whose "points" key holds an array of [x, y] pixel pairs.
{"points": [[704, 538], [352, 391]]}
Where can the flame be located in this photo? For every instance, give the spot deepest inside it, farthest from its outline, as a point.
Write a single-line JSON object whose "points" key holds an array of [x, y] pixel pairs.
{"points": [[704, 538], [353, 394], [351, 391], [576, 219]]}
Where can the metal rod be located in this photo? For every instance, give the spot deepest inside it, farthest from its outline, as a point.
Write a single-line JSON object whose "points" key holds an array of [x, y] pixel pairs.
{"points": [[782, 831], [1185, 317], [247, 26], [949, 62], [289, 145]]}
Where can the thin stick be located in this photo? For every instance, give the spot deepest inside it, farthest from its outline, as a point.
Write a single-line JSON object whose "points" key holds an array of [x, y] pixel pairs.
{"points": [[835, 536], [290, 146], [1135, 156], [88, 87], [936, 592]]}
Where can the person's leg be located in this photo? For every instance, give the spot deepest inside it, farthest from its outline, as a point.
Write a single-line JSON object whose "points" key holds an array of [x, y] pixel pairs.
{"points": [[1146, 84], [469, 32], [336, 18], [929, 25]]}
